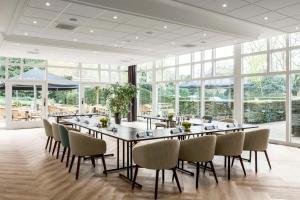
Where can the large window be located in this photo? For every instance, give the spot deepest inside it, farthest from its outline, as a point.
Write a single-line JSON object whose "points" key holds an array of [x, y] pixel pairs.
{"points": [[190, 98], [295, 124], [94, 100], [219, 98], [264, 103], [166, 98]]}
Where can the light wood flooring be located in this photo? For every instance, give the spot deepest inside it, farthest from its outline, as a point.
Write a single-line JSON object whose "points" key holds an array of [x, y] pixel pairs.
{"points": [[28, 172]]}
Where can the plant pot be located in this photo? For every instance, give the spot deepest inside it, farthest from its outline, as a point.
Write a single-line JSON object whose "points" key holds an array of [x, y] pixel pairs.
{"points": [[187, 129], [117, 118]]}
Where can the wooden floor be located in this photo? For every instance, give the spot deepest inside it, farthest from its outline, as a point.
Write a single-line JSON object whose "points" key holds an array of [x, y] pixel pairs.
{"points": [[28, 172]]}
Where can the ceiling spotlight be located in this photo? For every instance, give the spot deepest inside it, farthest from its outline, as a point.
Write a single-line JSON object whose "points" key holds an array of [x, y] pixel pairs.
{"points": [[115, 45], [266, 18], [48, 4], [136, 37], [115, 17], [165, 27], [75, 40], [297, 28], [148, 49], [35, 22], [172, 43], [91, 31], [204, 34], [224, 5], [26, 34]]}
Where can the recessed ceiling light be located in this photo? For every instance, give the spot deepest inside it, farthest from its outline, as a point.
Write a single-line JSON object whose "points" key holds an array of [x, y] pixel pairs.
{"points": [[91, 31], [115, 17], [266, 18], [26, 34], [48, 4], [115, 45], [73, 19], [148, 49], [297, 28], [35, 22], [224, 5], [136, 37], [204, 34], [172, 43], [75, 39], [165, 27]]}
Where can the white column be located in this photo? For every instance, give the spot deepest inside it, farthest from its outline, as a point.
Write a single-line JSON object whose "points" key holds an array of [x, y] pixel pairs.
{"points": [[238, 88], [154, 90], [288, 104]]}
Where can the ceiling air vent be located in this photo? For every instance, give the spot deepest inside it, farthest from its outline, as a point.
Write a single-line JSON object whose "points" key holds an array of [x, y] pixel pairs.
{"points": [[65, 26], [189, 45]]}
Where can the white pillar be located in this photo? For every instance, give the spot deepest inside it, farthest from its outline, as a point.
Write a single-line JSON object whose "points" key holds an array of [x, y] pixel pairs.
{"points": [[238, 88]]}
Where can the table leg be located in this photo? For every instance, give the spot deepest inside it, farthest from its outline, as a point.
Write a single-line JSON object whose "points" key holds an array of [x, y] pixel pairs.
{"points": [[118, 151], [123, 153], [150, 123], [131, 147]]}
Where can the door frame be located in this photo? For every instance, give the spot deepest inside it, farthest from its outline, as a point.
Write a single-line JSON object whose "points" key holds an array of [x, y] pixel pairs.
{"points": [[10, 124]]}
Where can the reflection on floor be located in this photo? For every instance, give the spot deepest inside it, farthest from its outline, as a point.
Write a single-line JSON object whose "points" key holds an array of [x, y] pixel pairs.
{"points": [[28, 172]]}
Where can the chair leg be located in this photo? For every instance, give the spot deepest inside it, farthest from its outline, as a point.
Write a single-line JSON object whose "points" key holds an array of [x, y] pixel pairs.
{"points": [[213, 170], [176, 178], [228, 159], [58, 148], [50, 144], [163, 176], [205, 165], [55, 143], [197, 173], [242, 164], [135, 175], [48, 139], [156, 184], [71, 164], [78, 167], [267, 157], [68, 156], [104, 165], [225, 161], [63, 155], [255, 153], [93, 161], [250, 156]]}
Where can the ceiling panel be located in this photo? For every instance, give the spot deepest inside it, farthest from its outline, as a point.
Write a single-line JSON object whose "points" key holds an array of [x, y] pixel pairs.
{"points": [[115, 16], [30, 21], [127, 28], [142, 22], [56, 5], [40, 13], [266, 18], [248, 11], [275, 4], [85, 11], [290, 10], [283, 23]]}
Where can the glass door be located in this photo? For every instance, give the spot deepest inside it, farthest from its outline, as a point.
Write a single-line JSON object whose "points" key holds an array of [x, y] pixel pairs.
{"points": [[26, 104]]}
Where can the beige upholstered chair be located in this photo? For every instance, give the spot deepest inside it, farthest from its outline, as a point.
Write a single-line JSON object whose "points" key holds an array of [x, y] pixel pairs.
{"points": [[200, 149], [231, 145], [257, 141], [83, 145], [49, 134], [57, 139], [162, 155]]}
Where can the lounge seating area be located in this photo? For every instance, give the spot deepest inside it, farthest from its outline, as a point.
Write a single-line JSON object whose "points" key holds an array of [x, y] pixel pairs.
{"points": [[149, 99]]}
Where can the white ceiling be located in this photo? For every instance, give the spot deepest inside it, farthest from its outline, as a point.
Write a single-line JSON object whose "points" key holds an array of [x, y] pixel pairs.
{"points": [[117, 32]]}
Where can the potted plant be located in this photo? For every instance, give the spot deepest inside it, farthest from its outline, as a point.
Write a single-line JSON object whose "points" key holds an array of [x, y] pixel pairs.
{"points": [[104, 122], [170, 116], [186, 125], [118, 98]]}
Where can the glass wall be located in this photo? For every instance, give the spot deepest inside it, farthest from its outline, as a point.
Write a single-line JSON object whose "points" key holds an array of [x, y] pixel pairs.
{"points": [[94, 101], [166, 98], [190, 98]]}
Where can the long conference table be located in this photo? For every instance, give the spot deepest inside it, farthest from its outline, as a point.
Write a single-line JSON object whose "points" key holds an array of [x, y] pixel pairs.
{"points": [[128, 137]]}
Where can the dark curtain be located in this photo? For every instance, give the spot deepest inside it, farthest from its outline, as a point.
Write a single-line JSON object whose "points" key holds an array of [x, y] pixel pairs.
{"points": [[132, 115]]}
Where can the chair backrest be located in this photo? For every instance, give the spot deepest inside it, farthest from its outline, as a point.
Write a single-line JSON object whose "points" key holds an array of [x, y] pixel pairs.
{"points": [[230, 144], [84, 145], [257, 140], [48, 128], [64, 135], [55, 132], [199, 149], [158, 155]]}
